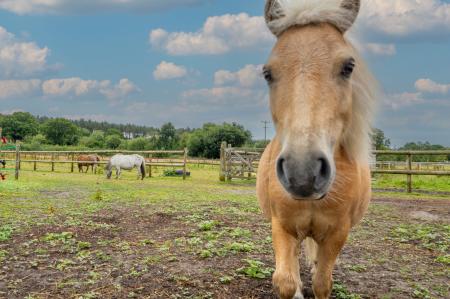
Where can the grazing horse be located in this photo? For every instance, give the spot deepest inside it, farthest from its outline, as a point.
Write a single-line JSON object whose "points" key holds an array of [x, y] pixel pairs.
{"points": [[88, 161], [314, 179], [3, 162], [126, 162]]}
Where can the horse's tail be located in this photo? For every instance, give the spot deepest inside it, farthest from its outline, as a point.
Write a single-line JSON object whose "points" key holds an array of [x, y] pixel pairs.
{"points": [[143, 169], [311, 248]]}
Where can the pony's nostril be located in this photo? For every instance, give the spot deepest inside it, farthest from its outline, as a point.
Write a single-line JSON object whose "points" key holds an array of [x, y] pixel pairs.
{"points": [[280, 166], [323, 173]]}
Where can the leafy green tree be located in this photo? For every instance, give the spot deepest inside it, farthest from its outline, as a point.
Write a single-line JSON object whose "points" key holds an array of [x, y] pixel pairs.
{"points": [[60, 131], [380, 141], [114, 132], [205, 142], [113, 141], [425, 146], [95, 140], [139, 144], [168, 138], [19, 125], [34, 143]]}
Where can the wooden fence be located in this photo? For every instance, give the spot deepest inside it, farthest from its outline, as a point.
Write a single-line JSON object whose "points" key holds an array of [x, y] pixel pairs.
{"points": [[241, 163], [409, 171], [153, 158]]}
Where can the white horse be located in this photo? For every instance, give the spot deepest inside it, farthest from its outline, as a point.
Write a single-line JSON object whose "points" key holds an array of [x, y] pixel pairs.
{"points": [[126, 162]]}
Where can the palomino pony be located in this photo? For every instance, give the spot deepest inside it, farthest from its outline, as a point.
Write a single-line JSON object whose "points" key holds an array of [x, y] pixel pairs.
{"points": [[314, 178], [88, 161], [126, 162]]}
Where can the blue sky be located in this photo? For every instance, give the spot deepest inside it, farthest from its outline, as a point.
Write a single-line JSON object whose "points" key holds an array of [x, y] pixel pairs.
{"points": [[195, 61]]}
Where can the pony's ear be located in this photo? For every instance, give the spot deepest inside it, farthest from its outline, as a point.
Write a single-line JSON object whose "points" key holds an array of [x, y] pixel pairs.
{"points": [[352, 7], [273, 12]]}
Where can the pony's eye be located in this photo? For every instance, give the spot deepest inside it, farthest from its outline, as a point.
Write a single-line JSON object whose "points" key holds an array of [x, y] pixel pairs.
{"points": [[268, 75], [347, 68]]}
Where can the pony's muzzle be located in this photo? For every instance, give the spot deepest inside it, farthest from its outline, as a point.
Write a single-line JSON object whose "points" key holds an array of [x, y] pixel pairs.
{"points": [[305, 178]]}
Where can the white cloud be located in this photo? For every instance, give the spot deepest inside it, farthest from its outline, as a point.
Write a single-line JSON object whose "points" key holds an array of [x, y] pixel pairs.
{"points": [[79, 87], [23, 7], [396, 101], [428, 85], [168, 70], [380, 49], [18, 58], [248, 76], [243, 87], [219, 35], [405, 17], [71, 86], [121, 90], [18, 88]]}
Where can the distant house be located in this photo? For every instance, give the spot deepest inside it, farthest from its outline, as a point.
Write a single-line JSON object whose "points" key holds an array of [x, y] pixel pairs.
{"points": [[132, 135]]}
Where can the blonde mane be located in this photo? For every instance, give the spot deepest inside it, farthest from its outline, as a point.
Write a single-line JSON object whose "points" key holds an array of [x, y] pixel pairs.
{"points": [[288, 13], [357, 139]]}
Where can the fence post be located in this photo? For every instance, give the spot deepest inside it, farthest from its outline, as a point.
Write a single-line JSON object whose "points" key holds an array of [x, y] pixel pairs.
{"points": [[185, 162], [35, 162], [53, 162], [229, 164], [16, 174], [150, 158], [222, 161], [409, 176], [72, 157]]}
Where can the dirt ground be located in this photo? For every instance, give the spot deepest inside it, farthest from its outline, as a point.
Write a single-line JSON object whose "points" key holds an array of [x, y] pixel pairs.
{"points": [[220, 249], [133, 253]]}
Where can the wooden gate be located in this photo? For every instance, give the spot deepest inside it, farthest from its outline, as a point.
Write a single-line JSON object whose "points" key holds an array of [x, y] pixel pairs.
{"points": [[238, 163]]}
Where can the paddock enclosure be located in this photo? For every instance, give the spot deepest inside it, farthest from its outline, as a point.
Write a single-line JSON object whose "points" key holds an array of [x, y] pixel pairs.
{"points": [[242, 163], [73, 235]]}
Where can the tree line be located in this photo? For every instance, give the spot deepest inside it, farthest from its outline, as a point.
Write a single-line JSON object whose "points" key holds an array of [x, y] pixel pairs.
{"points": [[44, 133]]}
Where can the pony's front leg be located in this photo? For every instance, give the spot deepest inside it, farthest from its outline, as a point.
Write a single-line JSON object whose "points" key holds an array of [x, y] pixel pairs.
{"points": [[328, 251], [117, 172], [286, 279]]}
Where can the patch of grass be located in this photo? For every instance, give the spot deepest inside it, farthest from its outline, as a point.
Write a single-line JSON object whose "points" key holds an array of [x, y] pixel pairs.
{"points": [[421, 292], [433, 237], [420, 182], [64, 264], [5, 232], [54, 238], [341, 292], [83, 245], [225, 279], [444, 259], [240, 233], [3, 254], [357, 268], [255, 269], [207, 225], [241, 247]]}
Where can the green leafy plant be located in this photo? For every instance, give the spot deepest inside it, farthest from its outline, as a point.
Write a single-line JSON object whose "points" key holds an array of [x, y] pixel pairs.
{"points": [[341, 292], [5, 232], [207, 225], [255, 269]]}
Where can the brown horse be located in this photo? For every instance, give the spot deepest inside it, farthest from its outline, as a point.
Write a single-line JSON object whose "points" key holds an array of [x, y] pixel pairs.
{"points": [[88, 161], [314, 179]]}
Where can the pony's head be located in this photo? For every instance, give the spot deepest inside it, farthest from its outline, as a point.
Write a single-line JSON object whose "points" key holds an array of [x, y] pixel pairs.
{"points": [[108, 169], [318, 88]]}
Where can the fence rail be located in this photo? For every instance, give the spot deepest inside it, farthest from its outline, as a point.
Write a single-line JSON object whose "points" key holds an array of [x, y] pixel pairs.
{"points": [[244, 169], [70, 157]]}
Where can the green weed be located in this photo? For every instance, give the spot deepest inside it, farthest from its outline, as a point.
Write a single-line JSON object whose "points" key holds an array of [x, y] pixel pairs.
{"points": [[255, 269]]}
